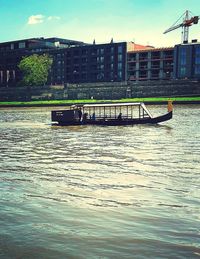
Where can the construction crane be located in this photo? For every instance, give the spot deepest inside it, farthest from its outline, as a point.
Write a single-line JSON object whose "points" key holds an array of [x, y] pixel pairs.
{"points": [[187, 21]]}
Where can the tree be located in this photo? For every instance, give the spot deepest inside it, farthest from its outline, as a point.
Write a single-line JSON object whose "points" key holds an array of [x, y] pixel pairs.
{"points": [[35, 69]]}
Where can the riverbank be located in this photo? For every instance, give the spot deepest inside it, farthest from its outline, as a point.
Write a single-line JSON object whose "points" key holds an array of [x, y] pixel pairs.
{"points": [[149, 100]]}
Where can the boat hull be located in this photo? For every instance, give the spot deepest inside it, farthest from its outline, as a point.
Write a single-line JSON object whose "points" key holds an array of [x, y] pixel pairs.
{"points": [[116, 122]]}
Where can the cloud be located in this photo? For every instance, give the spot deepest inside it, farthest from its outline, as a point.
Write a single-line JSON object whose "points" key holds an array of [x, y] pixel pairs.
{"points": [[39, 18], [50, 18], [35, 19]]}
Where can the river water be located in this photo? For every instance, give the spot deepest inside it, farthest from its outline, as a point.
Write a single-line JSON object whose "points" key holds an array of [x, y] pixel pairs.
{"points": [[99, 192]]}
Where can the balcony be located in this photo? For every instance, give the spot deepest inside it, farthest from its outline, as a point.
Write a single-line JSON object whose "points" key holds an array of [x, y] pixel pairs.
{"points": [[143, 58], [168, 57], [131, 68], [143, 78], [155, 67], [143, 67], [132, 60], [168, 67], [156, 58]]}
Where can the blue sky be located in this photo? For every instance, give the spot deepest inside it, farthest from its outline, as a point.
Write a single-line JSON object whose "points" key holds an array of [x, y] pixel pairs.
{"points": [[142, 21]]}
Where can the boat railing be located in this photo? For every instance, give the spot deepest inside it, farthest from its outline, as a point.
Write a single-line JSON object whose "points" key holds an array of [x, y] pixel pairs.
{"points": [[110, 118]]}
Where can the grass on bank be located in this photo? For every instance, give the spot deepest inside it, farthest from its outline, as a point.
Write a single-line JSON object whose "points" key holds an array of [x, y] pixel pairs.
{"points": [[69, 102]]}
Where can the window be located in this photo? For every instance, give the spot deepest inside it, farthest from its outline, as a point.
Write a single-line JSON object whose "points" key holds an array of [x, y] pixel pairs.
{"points": [[197, 70], [120, 49], [22, 45], [94, 52], [84, 52], [197, 51], [119, 57], [100, 59], [197, 60], [119, 66], [101, 51], [197, 55], [100, 76], [183, 71], [100, 67], [120, 74], [1, 76], [183, 56]]}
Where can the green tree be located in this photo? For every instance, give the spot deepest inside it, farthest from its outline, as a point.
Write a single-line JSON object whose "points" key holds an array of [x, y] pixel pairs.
{"points": [[35, 69]]}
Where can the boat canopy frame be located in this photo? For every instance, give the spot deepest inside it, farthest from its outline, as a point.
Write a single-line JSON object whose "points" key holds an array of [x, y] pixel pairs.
{"points": [[114, 110]]}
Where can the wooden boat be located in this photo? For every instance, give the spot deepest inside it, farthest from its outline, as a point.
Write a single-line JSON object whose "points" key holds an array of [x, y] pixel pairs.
{"points": [[108, 114]]}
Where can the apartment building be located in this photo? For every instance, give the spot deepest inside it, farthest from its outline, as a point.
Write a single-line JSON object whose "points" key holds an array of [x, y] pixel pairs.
{"points": [[73, 61], [150, 64]]}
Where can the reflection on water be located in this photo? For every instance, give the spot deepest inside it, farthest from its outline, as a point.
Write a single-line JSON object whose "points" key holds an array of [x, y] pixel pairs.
{"points": [[99, 192]]}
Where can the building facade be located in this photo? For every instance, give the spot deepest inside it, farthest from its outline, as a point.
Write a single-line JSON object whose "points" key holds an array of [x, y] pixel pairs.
{"points": [[187, 61], [12, 52], [76, 62], [89, 63], [73, 61], [150, 64]]}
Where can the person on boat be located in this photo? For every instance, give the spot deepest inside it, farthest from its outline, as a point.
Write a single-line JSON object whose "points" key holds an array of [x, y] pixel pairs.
{"points": [[85, 116], [79, 114], [93, 116], [119, 116]]}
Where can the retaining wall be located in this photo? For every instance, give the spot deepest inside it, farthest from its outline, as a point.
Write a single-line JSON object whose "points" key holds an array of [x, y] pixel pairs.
{"points": [[102, 90]]}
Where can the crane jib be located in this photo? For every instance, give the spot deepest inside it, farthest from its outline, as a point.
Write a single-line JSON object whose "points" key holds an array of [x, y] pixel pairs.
{"points": [[187, 21]]}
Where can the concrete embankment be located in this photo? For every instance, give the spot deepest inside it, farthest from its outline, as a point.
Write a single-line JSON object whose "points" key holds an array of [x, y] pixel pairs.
{"points": [[102, 91]]}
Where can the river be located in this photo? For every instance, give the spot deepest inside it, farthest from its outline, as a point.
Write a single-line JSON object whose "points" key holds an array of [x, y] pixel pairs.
{"points": [[99, 192]]}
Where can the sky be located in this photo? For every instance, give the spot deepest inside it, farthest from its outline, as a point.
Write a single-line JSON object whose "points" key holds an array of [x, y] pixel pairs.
{"points": [[140, 21]]}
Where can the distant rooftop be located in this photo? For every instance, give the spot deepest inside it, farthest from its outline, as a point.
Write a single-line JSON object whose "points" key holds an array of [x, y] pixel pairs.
{"points": [[53, 39], [39, 43]]}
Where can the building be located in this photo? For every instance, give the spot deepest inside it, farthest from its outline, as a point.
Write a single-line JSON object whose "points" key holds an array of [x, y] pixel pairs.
{"points": [[187, 61], [150, 63], [12, 52], [73, 61], [76, 62], [89, 63], [180, 62]]}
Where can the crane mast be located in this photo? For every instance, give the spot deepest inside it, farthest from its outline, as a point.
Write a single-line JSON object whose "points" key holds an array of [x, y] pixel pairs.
{"points": [[187, 21], [185, 31]]}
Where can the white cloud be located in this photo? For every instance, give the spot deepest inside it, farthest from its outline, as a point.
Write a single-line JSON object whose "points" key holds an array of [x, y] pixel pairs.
{"points": [[39, 18], [50, 18], [35, 19]]}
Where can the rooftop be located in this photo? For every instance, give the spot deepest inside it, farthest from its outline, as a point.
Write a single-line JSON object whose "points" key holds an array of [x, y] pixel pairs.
{"points": [[152, 49]]}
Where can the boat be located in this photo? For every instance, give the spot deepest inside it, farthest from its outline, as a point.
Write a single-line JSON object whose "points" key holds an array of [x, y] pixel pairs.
{"points": [[113, 114]]}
